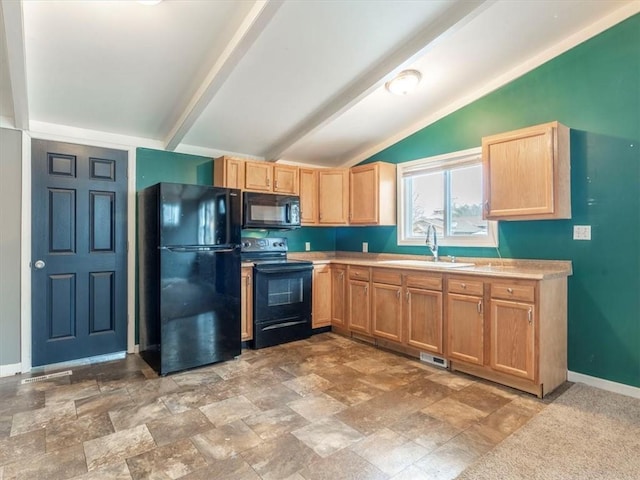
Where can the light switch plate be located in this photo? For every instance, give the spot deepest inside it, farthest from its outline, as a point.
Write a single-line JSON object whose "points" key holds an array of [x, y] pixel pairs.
{"points": [[582, 232], [365, 247], [307, 246]]}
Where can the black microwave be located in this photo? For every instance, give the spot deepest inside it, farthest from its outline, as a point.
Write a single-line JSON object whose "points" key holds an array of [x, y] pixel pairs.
{"points": [[270, 211]]}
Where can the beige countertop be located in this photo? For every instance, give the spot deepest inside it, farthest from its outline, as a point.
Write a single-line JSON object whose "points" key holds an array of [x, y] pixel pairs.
{"points": [[485, 267]]}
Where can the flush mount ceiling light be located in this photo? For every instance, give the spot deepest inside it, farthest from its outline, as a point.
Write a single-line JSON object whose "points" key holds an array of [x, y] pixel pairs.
{"points": [[404, 82]]}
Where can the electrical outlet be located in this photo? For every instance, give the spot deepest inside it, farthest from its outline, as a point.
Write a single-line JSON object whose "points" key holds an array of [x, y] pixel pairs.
{"points": [[307, 246], [365, 247], [582, 232]]}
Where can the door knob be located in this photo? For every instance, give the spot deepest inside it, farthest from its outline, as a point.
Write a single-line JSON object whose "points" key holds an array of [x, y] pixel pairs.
{"points": [[39, 264]]}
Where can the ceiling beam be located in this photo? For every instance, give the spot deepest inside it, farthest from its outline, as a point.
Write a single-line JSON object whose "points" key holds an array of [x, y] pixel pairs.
{"points": [[253, 24], [453, 19], [13, 20]]}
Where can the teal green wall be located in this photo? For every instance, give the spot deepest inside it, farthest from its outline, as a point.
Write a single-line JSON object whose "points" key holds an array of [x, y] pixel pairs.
{"points": [[595, 90], [154, 166]]}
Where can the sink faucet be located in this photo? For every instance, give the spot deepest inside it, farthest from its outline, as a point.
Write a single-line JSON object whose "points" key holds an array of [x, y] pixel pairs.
{"points": [[432, 241]]}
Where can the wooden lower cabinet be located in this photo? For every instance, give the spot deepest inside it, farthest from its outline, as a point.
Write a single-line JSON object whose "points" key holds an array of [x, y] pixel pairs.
{"points": [[423, 314], [465, 328], [386, 311], [339, 296], [246, 303], [510, 331], [513, 338], [321, 309], [359, 300]]}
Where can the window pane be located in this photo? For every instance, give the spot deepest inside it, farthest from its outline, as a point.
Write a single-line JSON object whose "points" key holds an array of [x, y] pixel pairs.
{"points": [[426, 203], [466, 201]]}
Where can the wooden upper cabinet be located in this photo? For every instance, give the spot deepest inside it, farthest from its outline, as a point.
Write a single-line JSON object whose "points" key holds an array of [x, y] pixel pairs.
{"points": [[527, 174], [258, 176], [333, 196], [372, 194], [285, 179], [308, 196], [228, 172]]}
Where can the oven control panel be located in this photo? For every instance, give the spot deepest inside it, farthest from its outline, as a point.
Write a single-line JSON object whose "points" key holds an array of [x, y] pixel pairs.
{"points": [[250, 244]]}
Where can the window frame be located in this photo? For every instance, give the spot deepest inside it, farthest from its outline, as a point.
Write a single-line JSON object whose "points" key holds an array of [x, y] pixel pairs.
{"points": [[441, 163]]}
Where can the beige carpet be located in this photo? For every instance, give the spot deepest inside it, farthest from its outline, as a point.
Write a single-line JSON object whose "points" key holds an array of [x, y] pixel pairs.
{"points": [[587, 433]]}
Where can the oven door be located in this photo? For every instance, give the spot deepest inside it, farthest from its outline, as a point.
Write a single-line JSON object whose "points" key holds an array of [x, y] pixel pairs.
{"points": [[281, 303]]}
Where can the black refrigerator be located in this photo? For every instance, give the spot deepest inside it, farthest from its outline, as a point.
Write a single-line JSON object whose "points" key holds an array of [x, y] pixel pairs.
{"points": [[188, 275]]}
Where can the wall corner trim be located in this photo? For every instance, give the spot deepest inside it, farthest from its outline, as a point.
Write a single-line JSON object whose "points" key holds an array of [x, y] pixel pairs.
{"points": [[10, 369], [603, 384]]}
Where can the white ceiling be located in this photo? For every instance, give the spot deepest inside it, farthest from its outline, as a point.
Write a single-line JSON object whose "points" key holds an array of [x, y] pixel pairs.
{"points": [[292, 80]]}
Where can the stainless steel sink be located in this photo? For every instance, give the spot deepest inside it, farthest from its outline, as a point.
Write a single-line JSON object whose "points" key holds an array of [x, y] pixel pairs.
{"points": [[427, 264]]}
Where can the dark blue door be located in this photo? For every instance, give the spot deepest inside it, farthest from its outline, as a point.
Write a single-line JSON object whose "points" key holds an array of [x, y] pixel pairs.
{"points": [[79, 251]]}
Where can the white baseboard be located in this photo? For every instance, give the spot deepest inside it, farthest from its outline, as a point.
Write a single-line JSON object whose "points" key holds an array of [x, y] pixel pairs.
{"points": [[603, 384], [10, 369]]}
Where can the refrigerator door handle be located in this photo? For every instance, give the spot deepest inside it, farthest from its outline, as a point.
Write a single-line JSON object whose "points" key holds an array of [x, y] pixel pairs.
{"points": [[199, 249]]}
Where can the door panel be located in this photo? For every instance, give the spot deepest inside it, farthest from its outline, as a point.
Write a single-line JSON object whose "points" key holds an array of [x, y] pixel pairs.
{"points": [[79, 231]]}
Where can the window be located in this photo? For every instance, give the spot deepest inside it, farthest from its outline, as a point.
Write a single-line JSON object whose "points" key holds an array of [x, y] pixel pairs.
{"points": [[445, 191]]}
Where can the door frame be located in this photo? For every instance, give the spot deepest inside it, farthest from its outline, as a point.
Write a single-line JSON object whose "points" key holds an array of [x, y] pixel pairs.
{"points": [[26, 254]]}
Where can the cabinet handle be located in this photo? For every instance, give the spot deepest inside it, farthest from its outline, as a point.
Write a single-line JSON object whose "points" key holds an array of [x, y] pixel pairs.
{"points": [[366, 289], [479, 306], [408, 295], [398, 294], [486, 206], [510, 290], [463, 285], [268, 182], [275, 183], [530, 315], [341, 274]]}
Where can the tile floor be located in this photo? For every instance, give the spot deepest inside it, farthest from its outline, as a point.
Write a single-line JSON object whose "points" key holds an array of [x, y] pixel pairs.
{"points": [[323, 408]]}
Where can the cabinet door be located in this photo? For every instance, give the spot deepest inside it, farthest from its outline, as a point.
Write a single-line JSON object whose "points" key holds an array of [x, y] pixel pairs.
{"points": [[333, 196], [246, 304], [258, 176], [308, 196], [359, 307], [338, 297], [513, 338], [465, 328], [424, 319], [363, 195], [285, 179], [386, 311], [321, 316], [526, 173], [228, 172]]}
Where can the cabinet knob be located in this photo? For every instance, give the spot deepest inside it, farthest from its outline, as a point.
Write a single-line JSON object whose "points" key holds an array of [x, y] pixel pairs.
{"points": [[510, 290], [463, 285]]}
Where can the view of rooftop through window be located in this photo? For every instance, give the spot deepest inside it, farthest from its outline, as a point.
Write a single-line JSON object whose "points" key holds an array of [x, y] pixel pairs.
{"points": [[449, 199]]}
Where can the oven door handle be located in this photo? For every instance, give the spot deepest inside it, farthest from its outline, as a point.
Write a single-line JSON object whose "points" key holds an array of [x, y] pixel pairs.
{"points": [[284, 325], [281, 269]]}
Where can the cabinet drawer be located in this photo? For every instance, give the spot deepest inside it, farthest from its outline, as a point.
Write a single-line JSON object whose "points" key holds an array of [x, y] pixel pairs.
{"points": [[359, 273], [513, 292], [466, 287], [390, 277], [424, 281]]}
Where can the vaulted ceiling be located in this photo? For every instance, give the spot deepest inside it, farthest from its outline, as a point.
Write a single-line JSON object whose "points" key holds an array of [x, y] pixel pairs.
{"points": [[293, 80]]}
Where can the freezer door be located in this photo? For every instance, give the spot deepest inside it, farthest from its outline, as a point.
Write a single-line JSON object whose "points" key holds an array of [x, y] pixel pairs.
{"points": [[199, 215]]}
